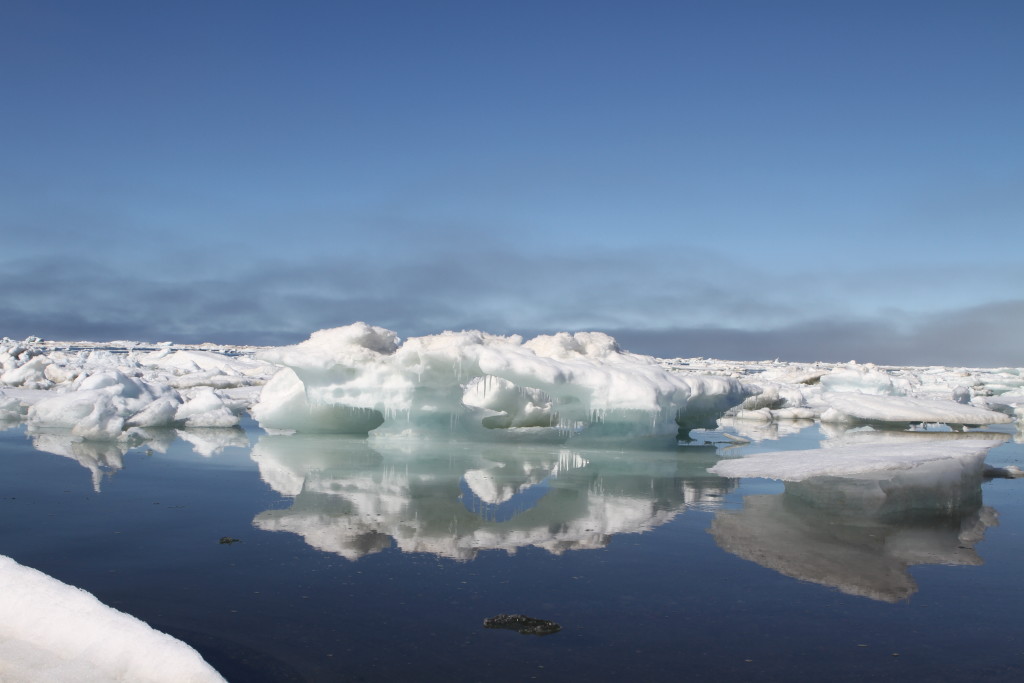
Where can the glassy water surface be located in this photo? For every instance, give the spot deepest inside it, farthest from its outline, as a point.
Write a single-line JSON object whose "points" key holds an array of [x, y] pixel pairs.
{"points": [[374, 559]]}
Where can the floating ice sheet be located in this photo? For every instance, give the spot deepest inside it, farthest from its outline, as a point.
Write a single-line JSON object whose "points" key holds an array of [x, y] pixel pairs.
{"points": [[850, 407], [844, 461]]}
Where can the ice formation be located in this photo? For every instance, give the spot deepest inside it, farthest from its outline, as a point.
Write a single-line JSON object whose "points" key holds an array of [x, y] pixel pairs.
{"points": [[359, 378], [99, 395], [50, 631], [938, 472], [844, 461], [854, 407]]}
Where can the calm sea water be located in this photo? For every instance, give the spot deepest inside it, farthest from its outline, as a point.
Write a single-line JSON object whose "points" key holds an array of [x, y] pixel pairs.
{"points": [[369, 560]]}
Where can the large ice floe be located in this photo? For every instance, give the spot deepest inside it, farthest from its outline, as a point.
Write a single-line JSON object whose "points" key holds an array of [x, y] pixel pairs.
{"points": [[359, 378], [50, 631], [877, 477]]}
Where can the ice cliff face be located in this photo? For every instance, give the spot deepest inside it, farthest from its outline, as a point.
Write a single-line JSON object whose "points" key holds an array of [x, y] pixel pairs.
{"points": [[358, 378]]}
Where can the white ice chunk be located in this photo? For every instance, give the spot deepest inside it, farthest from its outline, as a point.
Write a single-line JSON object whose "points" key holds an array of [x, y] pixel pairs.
{"points": [[205, 409], [865, 379], [100, 405], [853, 460], [50, 631], [354, 378], [849, 407]]}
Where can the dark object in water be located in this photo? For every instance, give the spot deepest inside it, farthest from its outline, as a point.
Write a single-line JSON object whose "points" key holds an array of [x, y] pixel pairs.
{"points": [[229, 540], [523, 624]]}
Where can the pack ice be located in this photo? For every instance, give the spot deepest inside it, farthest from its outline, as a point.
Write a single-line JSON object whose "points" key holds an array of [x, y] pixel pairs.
{"points": [[359, 378]]}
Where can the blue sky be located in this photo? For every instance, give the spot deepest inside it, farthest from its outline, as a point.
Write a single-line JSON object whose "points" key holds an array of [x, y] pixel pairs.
{"points": [[740, 179]]}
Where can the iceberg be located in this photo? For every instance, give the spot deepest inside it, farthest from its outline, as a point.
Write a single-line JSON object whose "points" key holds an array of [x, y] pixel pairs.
{"points": [[359, 378], [50, 631]]}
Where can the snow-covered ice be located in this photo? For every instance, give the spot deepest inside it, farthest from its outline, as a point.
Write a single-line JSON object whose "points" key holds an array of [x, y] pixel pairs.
{"points": [[844, 461], [359, 378], [853, 407], [50, 631]]}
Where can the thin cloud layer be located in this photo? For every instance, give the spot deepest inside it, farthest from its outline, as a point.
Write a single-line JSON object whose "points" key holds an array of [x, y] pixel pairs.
{"points": [[651, 307]]}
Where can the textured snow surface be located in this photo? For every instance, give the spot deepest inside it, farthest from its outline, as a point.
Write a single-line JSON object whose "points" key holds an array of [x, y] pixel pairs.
{"points": [[53, 632]]}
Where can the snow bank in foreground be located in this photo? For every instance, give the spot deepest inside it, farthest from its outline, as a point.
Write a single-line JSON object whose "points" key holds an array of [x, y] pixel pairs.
{"points": [[50, 631], [359, 378]]}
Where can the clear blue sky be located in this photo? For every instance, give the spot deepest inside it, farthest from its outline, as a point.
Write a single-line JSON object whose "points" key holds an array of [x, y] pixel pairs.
{"points": [[742, 179]]}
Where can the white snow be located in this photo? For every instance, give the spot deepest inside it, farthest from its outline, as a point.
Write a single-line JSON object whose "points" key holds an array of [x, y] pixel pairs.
{"points": [[52, 632]]}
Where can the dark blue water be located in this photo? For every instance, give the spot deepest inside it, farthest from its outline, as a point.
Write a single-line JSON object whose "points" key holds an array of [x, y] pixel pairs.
{"points": [[364, 560]]}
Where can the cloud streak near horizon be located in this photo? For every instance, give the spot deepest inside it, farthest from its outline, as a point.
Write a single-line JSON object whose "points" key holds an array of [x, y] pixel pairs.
{"points": [[654, 307]]}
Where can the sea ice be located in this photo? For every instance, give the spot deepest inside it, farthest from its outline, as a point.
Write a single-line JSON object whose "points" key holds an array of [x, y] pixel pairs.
{"points": [[358, 378], [854, 407], [856, 459], [50, 631]]}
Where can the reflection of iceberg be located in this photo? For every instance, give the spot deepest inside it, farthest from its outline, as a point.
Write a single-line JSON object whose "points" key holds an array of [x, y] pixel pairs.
{"points": [[100, 458], [454, 499], [104, 458], [858, 512], [865, 556], [359, 378], [210, 441], [496, 494]]}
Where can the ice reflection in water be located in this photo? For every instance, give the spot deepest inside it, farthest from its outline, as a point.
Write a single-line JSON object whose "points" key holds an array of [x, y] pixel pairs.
{"points": [[453, 499], [104, 458], [861, 533]]}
